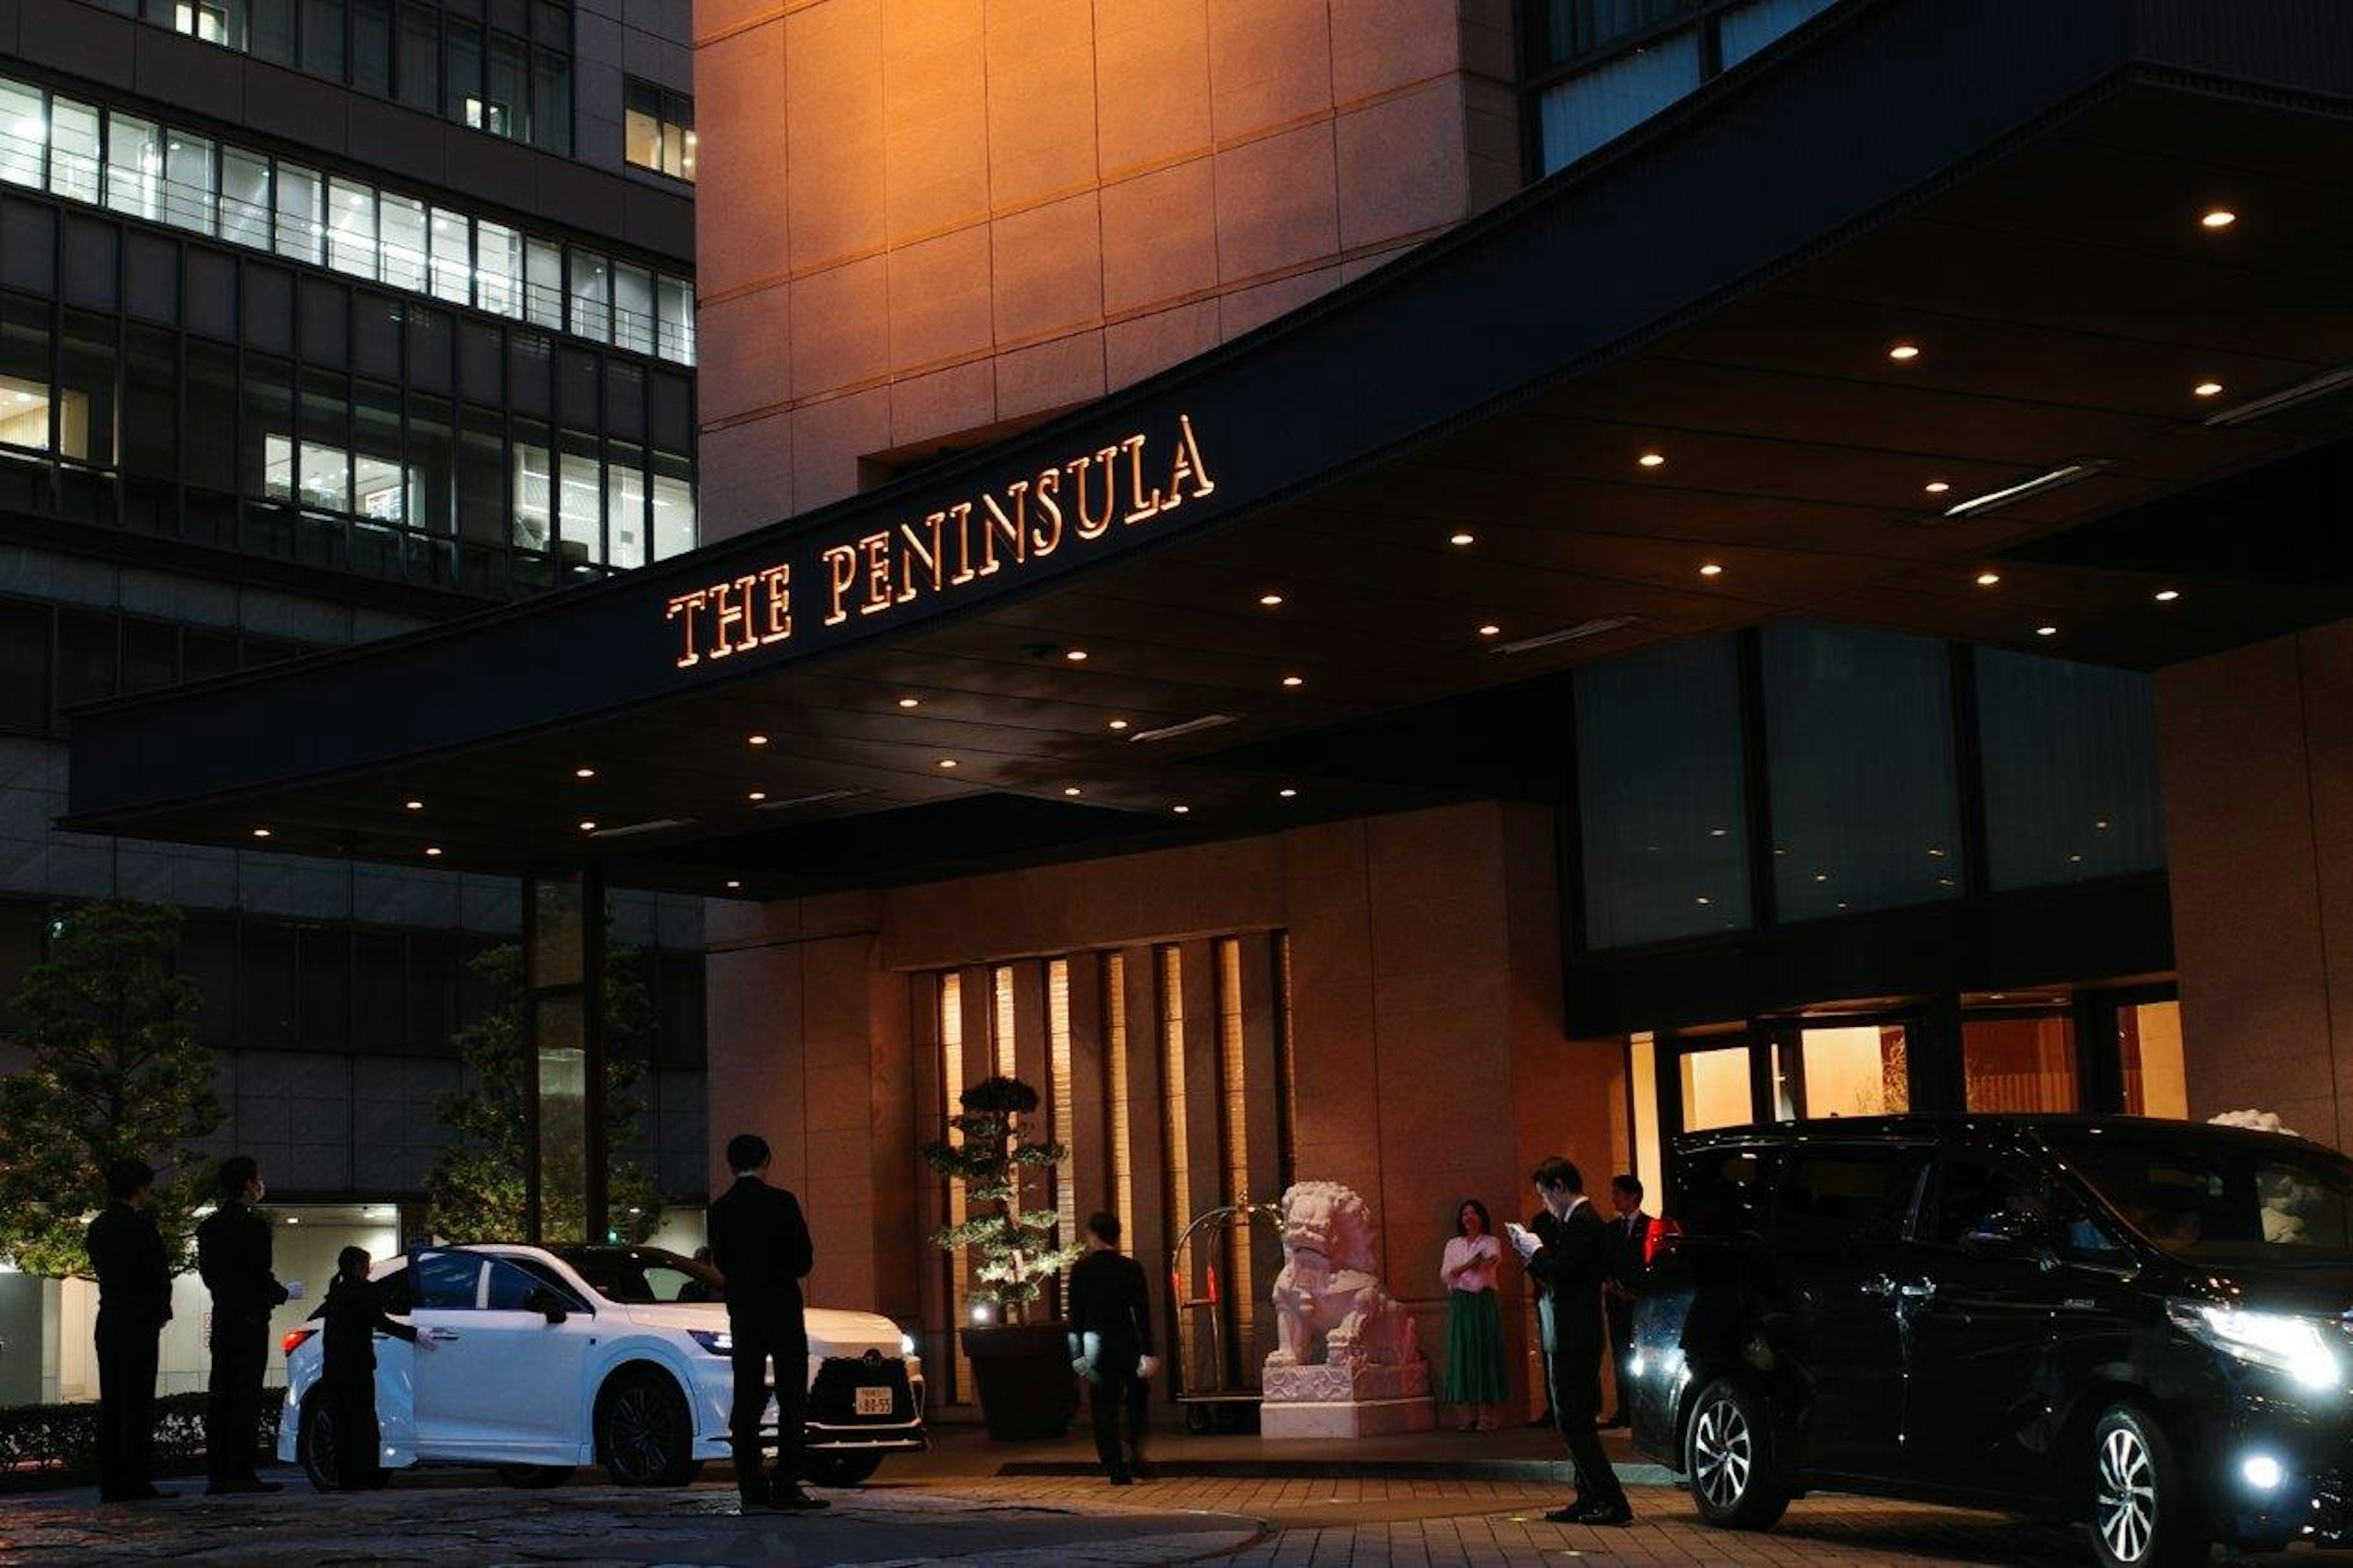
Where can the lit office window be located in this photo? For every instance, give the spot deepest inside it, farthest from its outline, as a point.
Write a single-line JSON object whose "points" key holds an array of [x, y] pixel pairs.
{"points": [[245, 198], [657, 129], [73, 150], [24, 134], [301, 213], [206, 20], [580, 501], [1580, 114], [134, 166], [452, 251], [592, 311], [543, 287], [2069, 758], [625, 505], [498, 269], [406, 262], [673, 506], [633, 308], [351, 227], [533, 516], [676, 310]]}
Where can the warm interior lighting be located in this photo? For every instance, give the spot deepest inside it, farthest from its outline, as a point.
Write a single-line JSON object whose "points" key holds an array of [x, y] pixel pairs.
{"points": [[1270, 600], [413, 804], [1652, 460], [1458, 539], [1937, 487], [2046, 631], [1711, 570], [1071, 789], [588, 824], [758, 795], [1903, 353], [910, 702], [755, 740], [1295, 681], [2208, 389], [1286, 793], [1076, 656], [732, 883], [1987, 579], [2167, 595], [262, 832], [2221, 217], [433, 852], [1181, 810], [1491, 630], [584, 772], [948, 761], [1118, 725]]}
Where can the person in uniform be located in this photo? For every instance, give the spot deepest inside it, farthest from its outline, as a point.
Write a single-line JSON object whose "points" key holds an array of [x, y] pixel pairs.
{"points": [[760, 1245], [1109, 1312], [1566, 1253], [1626, 1264], [134, 1302], [354, 1315], [233, 1255]]}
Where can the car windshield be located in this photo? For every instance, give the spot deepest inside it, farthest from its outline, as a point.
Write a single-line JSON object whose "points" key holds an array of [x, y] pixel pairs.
{"points": [[2210, 1199], [644, 1275]]}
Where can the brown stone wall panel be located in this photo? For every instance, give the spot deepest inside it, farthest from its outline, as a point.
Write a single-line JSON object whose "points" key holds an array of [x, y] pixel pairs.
{"points": [[840, 321], [1158, 243], [940, 299], [829, 437], [1133, 350], [1379, 46], [1152, 82], [743, 237], [833, 131], [1246, 308], [936, 114], [747, 472], [1270, 64], [1062, 374], [728, 922], [753, 1009], [1402, 166], [712, 17], [1277, 202], [1046, 269], [961, 398], [1041, 99], [746, 357], [855, 912]]}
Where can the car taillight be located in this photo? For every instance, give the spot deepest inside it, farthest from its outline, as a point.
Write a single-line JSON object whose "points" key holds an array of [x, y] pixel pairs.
{"points": [[293, 1339]]}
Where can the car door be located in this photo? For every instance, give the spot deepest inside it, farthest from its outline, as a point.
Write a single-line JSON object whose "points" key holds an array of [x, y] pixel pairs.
{"points": [[445, 1287], [527, 1364], [1838, 1234], [396, 1384], [1980, 1397]]}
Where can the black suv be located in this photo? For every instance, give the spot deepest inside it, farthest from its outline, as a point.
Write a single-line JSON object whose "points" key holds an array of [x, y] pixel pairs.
{"points": [[2139, 1323]]}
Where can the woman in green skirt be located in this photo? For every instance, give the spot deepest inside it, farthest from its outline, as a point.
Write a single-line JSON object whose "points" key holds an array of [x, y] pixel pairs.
{"points": [[1474, 1325]]}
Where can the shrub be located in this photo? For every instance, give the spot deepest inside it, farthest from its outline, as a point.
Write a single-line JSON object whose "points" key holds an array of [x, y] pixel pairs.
{"points": [[37, 1438]]}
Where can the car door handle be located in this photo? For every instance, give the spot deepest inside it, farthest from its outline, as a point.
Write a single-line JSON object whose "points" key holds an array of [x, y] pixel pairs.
{"points": [[1918, 1290], [444, 1335], [1878, 1284]]}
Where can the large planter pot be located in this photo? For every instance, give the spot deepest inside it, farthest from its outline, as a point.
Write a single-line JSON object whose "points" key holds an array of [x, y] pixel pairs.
{"points": [[1023, 1372]]}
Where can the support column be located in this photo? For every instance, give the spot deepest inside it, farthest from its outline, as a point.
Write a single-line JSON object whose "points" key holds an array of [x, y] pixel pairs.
{"points": [[565, 1159]]}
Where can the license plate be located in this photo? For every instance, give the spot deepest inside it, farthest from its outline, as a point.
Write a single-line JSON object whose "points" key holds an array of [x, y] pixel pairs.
{"points": [[873, 1402]]}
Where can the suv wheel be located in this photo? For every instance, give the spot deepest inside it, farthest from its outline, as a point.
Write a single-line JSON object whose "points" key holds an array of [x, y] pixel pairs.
{"points": [[314, 1444], [1728, 1453], [645, 1433], [2140, 1508]]}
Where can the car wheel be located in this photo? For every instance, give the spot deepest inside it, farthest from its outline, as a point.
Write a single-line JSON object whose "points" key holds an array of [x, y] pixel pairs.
{"points": [[2141, 1516], [536, 1478], [839, 1469], [645, 1435], [314, 1444], [1728, 1454]]}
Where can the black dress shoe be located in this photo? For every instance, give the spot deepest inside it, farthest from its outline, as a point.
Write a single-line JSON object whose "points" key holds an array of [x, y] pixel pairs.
{"points": [[792, 1499], [1121, 1478], [1606, 1514], [757, 1505], [1573, 1513]]}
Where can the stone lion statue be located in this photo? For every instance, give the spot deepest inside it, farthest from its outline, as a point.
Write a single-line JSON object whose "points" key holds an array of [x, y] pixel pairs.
{"points": [[1329, 1305]]}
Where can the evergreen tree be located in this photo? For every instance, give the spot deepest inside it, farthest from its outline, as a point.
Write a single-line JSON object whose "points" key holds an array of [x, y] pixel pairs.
{"points": [[991, 1157], [113, 1070], [476, 1185]]}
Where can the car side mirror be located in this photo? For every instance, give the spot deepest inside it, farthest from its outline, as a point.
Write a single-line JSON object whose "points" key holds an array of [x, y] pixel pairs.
{"points": [[547, 1304], [2002, 1234]]}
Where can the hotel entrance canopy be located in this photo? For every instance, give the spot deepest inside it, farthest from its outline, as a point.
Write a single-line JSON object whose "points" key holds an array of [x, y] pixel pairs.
{"points": [[1139, 618]]}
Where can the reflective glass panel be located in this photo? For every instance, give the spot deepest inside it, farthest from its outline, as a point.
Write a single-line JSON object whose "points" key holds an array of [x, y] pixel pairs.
{"points": [[134, 166], [673, 507], [543, 285], [633, 308], [533, 515], [351, 227], [2069, 759], [592, 312], [1585, 111], [245, 197], [188, 191], [2148, 1039], [24, 134], [452, 249], [1741, 32], [2021, 1064], [73, 150], [403, 241], [1859, 1069], [1716, 1087], [302, 213]]}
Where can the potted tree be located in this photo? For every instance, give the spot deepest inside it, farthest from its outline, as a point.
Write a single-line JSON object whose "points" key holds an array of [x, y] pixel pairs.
{"points": [[1023, 1368]]}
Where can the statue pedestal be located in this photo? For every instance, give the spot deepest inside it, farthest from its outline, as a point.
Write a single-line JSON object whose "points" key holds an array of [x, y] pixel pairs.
{"points": [[1347, 1402]]}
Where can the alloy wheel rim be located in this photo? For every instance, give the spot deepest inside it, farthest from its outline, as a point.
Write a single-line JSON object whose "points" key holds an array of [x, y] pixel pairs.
{"points": [[1722, 1454], [2126, 1510], [639, 1434], [321, 1428]]}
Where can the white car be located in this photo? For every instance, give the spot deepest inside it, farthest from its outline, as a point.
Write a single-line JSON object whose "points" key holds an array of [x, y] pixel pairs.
{"points": [[550, 1358]]}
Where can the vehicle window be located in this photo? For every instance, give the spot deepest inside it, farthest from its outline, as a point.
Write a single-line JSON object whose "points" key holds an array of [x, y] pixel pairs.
{"points": [[392, 1290], [513, 1281], [643, 1275], [2211, 1198], [1847, 1195], [1721, 1191], [1974, 1192], [446, 1281], [544, 1273]]}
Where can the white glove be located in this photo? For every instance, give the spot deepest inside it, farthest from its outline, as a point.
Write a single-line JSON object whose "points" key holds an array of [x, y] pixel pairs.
{"points": [[1523, 1241], [1148, 1368]]}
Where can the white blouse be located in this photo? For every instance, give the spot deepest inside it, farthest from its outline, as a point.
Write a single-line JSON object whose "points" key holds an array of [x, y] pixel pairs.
{"points": [[1471, 1263]]}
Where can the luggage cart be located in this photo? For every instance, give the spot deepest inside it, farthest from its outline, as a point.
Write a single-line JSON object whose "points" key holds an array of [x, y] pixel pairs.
{"points": [[1211, 1398]]}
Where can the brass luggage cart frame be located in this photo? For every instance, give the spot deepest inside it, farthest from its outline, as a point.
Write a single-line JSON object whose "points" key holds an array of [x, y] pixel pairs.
{"points": [[1210, 1397]]}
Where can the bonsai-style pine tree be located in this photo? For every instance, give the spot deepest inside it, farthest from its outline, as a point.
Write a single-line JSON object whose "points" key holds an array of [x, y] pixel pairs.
{"points": [[991, 1157], [475, 1185], [114, 1070]]}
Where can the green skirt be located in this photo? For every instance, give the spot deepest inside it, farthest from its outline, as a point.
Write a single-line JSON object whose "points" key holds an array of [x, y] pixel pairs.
{"points": [[1474, 1350]]}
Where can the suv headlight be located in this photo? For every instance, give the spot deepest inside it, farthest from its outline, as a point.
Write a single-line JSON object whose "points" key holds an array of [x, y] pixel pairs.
{"points": [[718, 1342], [2278, 1341]]}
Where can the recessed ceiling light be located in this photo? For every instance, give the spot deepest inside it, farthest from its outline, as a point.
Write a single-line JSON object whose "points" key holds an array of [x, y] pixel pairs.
{"points": [[2220, 217], [2207, 389], [2167, 595], [2046, 631], [758, 795], [1182, 810], [1491, 630], [1821, 876], [948, 761], [1987, 579], [1295, 681], [733, 883], [1118, 725], [588, 824], [1652, 460], [1711, 570], [1701, 899], [433, 851], [1903, 353], [911, 702], [755, 740], [1717, 832], [1072, 790], [262, 832], [1270, 600], [1076, 655], [1286, 793], [1937, 487], [1458, 539], [584, 772], [413, 804]]}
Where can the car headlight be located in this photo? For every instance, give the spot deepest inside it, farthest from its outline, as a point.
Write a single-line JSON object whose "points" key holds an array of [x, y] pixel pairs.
{"points": [[906, 1344], [718, 1342], [2278, 1341]]}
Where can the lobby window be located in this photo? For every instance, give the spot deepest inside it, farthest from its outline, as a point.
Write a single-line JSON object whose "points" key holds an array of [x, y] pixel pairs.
{"points": [[1663, 811], [1862, 772], [1118, 1128], [2149, 1041], [2025, 1063], [1062, 1096], [657, 129], [2070, 765], [952, 1083]]}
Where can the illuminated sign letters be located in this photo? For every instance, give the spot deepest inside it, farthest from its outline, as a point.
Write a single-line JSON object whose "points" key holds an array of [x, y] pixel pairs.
{"points": [[1026, 520]]}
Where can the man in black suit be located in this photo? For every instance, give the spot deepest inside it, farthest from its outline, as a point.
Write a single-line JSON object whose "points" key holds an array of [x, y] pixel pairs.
{"points": [[1110, 1313], [233, 1255], [1623, 1270], [1565, 1252], [134, 1302], [761, 1244]]}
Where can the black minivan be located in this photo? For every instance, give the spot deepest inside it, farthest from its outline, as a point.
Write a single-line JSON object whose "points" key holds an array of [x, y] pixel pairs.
{"points": [[2146, 1325]]}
